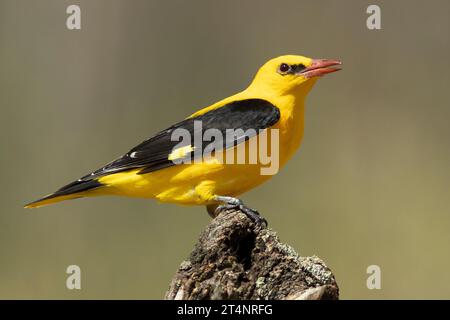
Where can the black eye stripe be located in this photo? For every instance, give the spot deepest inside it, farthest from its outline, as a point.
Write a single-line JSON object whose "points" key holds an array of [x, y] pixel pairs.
{"points": [[296, 68], [285, 68]]}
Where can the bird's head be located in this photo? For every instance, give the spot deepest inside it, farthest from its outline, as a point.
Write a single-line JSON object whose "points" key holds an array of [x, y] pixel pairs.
{"points": [[289, 74]]}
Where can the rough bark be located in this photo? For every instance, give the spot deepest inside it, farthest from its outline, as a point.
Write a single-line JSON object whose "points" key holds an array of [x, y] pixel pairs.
{"points": [[236, 259]]}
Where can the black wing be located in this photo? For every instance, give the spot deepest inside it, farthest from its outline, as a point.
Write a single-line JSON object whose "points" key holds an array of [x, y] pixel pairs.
{"points": [[153, 153]]}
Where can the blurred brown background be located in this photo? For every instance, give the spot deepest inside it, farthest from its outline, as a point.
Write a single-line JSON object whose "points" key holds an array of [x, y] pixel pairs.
{"points": [[370, 185]]}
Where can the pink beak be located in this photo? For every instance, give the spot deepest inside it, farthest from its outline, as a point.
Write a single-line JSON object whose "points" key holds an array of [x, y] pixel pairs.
{"points": [[320, 67]]}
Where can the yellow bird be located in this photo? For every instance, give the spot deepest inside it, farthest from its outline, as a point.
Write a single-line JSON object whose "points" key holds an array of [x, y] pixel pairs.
{"points": [[162, 168]]}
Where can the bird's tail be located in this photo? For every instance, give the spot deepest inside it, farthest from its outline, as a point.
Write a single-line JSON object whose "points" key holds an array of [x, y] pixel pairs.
{"points": [[73, 190]]}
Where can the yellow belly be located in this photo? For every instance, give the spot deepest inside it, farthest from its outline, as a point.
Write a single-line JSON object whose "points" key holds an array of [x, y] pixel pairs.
{"points": [[190, 184]]}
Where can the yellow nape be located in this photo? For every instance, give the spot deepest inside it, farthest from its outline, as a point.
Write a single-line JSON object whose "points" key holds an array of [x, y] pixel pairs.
{"points": [[271, 85]]}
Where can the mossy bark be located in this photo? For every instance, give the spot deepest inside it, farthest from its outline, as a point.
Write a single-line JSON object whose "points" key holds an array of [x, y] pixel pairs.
{"points": [[236, 259]]}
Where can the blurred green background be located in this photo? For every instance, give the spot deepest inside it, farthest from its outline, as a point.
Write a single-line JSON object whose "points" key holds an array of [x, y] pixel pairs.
{"points": [[370, 185]]}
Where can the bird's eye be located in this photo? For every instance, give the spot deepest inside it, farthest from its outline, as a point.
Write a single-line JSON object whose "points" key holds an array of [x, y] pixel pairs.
{"points": [[284, 67]]}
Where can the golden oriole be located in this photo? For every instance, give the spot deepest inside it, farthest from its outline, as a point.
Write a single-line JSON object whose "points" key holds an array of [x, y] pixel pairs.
{"points": [[274, 100]]}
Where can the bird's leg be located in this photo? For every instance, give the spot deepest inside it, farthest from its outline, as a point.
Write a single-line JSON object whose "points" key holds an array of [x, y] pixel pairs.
{"points": [[235, 203]]}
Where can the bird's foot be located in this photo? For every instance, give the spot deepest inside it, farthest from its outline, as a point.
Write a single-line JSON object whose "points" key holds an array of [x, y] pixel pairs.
{"points": [[234, 203]]}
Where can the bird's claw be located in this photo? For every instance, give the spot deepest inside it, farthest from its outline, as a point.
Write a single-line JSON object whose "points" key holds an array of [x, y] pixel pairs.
{"points": [[250, 213]]}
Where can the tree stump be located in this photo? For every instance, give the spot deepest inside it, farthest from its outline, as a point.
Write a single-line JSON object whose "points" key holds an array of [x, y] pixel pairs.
{"points": [[236, 259]]}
